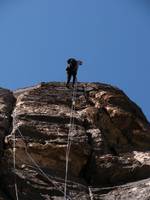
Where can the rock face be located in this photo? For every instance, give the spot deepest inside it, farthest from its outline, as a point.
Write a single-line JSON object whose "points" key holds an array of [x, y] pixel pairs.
{"points": [[109, 136]]}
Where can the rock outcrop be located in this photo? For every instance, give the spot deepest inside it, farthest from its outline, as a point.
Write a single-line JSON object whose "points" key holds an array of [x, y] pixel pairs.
{"points": [[110, 144]]}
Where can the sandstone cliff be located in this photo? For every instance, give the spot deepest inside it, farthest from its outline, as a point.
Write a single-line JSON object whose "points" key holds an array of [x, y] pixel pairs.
{"points": [[109, 155]]}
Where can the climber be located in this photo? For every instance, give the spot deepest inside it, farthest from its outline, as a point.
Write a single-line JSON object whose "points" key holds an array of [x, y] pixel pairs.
{"points": [[72, 68]]}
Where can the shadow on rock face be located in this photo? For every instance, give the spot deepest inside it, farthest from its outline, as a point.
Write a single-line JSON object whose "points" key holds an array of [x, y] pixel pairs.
{"points": [[109, 139]]}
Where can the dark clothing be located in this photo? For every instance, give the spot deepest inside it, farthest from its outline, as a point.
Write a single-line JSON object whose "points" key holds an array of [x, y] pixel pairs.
{"points": [[72, 61], [71, 69], [70, 75]]}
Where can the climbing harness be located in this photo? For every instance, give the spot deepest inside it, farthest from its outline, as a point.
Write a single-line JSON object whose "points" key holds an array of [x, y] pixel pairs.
{"points": [[71, 130]]}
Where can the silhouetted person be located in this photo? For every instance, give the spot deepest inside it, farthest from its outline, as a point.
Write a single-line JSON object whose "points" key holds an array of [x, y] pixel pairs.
{"points": [[72, 68]]}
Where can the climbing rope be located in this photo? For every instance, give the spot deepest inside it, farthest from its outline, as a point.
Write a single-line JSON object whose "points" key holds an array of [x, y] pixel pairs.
{"points": [[90, 194], [14, 163], [32, 160], [71, 129], [38, 167], [69, 139]]}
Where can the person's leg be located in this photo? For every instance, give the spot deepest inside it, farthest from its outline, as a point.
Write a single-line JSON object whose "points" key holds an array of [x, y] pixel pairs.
{"points": [[74, 78], [68, 78]]}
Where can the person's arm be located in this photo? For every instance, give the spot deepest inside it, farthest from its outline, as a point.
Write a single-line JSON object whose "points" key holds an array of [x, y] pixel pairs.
{"points": [[80, 62], [68, 68]]}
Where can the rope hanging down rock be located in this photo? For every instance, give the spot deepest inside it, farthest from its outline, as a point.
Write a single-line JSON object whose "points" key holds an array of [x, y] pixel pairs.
{"points": [[14, 165], [14, 162], [71, 129], [32, 160]]}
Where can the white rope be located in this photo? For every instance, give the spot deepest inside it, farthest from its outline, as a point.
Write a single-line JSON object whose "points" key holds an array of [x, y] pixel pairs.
{"points": [[90, 194], [38, 167], [71, 128], [14, 165], [33, 161]]}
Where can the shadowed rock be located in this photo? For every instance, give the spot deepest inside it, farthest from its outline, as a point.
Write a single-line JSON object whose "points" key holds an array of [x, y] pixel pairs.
{"points": [[110, 143]]}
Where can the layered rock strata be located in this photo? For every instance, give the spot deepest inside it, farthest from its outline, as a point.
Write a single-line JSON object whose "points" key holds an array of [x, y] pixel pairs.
{"points": [[110, 142]]}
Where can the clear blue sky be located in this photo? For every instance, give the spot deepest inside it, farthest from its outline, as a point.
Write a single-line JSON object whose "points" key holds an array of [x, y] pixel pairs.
{"points": [[112, 37]]}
